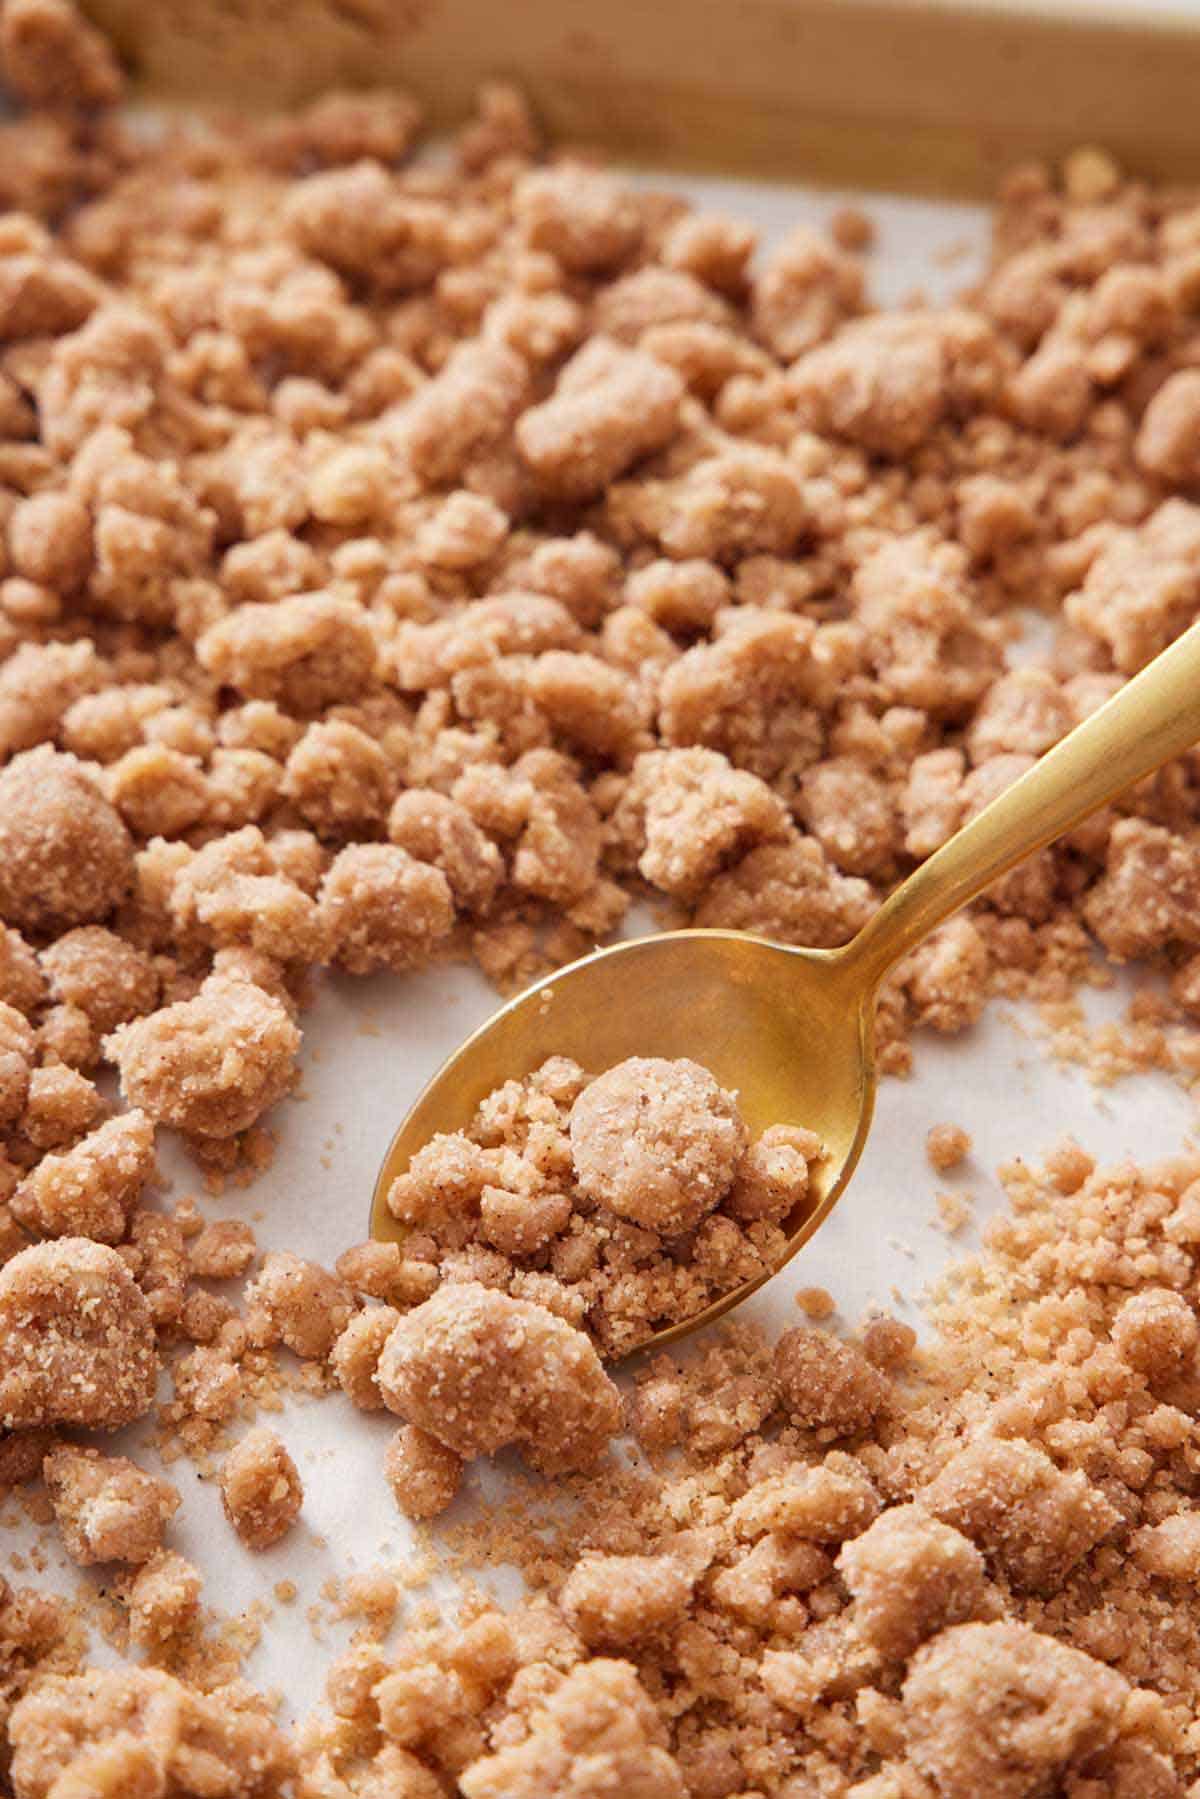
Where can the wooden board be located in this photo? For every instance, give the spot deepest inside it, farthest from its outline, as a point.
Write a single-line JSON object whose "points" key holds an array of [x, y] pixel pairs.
{"points": [[908, 94]]}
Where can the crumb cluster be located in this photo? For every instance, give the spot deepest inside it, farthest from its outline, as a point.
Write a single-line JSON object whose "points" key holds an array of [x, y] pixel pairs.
{"points": [[404, 562], [623, 1203], [853, 1568]]}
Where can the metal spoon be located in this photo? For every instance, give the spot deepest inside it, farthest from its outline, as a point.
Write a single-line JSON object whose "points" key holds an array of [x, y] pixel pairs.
{"points": [[792, 1030]]}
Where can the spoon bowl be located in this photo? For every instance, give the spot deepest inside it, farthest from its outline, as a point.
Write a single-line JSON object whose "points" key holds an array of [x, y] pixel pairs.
{"points": [[789, 1030], [792, 1030]]}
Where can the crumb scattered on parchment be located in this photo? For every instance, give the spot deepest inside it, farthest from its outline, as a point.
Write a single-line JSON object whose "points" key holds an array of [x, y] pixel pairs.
{"points": [[947, 1146], [400, 564]]}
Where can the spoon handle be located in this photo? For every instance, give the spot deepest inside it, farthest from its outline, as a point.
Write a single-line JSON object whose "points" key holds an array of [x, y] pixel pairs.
{"points": [[1154, 717]]}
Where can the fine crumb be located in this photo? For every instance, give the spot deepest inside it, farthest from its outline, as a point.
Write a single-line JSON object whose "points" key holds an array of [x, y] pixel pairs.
{"points": [[852, 229]]}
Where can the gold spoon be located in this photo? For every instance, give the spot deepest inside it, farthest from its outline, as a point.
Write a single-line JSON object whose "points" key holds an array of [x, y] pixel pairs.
{"points": [[792, 1030]]}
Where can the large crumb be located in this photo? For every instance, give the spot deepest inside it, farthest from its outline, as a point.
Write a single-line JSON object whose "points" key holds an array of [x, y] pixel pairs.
{"points": [[656, 1142], [260, 1489], [596, 1733], [76, 1338], [995, 1708], [121, 1730], [209, 1065], [107, 1509], [423, 1473], [93, 1189], [65, 856], [478, 1370]]}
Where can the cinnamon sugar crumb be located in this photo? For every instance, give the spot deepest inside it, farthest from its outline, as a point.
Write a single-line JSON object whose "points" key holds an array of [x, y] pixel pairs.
{"points": [[107, 1509], [401, 563], [260, 1489], [478, 1370], [947, 1146]]}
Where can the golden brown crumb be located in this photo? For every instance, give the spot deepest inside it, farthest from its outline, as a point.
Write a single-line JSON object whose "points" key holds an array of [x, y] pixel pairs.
{"points": [[163, 1602], [210, 1065], [307, 652], [887, 1342], [106, 977], [65, 856], [93, 1189], [909, 1578], [208, 1384], [107, 1508], [773, 1174], [852, 229], [596, 1731], [577, 1194], [355, 1355], [479, 1370], [1156, 1332], [82, 1732], [581, 215], [437, 830], [76, 1338], [997, 1708], [22, 984], [260, 1488], [1169, 1550], [339, 779], [17, 1045], [1031, 1518], [51, 57], [222, 1250], [298, 1304], [827, 1385], [60, 1107], [383, 908], [616, 1600], [422, 1472], [611, 407], [947, 1146], [157, 1255], [657, 1142]]}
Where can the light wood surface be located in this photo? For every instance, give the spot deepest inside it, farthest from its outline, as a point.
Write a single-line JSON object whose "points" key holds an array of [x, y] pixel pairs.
{"points": [[923, 95]]}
